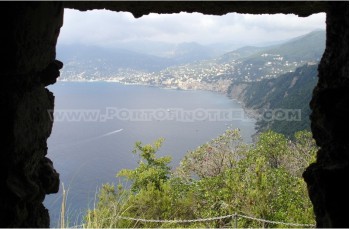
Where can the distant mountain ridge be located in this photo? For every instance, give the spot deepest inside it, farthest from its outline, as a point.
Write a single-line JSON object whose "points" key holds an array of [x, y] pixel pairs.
{"points": [[240, 53], [257, 63], [247, 64], [81, 58], [190, 52], [99, 62], [309, 46], [244, 64]]}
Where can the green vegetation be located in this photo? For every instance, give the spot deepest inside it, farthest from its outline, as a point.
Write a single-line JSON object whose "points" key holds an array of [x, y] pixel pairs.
{"points": [[290, 91], [222, 177]]}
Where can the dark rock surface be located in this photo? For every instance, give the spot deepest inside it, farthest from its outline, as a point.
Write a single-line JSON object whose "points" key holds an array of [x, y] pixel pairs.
{"points": [[140, 8], [29, 32], [28, 38], [328, 178]]}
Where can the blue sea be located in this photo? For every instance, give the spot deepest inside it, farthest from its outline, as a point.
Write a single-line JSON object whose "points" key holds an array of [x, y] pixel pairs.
{"points": [[97, 123]]}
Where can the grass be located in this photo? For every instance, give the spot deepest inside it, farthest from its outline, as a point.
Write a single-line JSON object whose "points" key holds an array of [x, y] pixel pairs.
{"points": [[63, 208], [92, 218], [65, 216]]}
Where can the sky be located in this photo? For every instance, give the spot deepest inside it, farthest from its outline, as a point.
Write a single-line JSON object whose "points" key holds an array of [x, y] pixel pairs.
{"points": [[109, 29]]}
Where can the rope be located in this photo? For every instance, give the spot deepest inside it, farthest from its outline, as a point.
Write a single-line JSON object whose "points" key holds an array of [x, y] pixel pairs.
{"points": [[276, 222], [234, 216], [175, 221]]}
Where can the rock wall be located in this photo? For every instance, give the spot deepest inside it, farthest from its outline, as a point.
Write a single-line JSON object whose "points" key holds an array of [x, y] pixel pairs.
{"points": [[140, 8], [28, 38], [328, 178]]}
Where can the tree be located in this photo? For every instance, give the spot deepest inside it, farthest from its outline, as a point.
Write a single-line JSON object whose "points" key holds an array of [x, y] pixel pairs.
{"points": [[262, 180], [151, 170], [213, 158]]}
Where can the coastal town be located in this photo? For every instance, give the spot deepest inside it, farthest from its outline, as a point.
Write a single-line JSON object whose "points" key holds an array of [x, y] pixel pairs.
{"points": [[208, 75]]}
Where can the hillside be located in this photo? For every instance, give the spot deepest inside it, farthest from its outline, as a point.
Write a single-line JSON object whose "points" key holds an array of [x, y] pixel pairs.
{"points": [[287, 95], [189, 66], [240, 53], [283, 58], [246, 64], [309, 46]]}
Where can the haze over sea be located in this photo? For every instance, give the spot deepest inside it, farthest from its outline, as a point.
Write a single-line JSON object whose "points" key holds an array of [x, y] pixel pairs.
{"points": [[89, 150]]}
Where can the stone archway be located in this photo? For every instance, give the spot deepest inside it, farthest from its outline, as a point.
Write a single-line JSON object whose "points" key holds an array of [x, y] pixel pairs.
{"points": [[29, 36]]}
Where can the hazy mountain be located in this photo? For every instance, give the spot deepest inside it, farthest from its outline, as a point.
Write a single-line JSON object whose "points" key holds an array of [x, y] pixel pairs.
{"points": [[190, 52], [99, 61], [153, 48], [190, 61], [92, 62]]}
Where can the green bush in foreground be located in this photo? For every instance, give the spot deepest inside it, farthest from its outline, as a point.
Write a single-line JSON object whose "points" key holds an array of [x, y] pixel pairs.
{"points": [[222, 177]]}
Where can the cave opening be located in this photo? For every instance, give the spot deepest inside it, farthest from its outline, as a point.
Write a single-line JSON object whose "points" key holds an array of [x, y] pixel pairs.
{"points": [[72, 137], [29, 37]]}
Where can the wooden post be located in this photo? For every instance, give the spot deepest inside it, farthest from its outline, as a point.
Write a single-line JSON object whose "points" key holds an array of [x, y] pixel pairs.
{"points": [[235, 217]]}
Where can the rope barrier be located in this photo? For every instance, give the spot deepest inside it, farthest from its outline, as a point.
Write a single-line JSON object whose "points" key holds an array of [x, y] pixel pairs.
{"points": [[234, 216], [275, 222], [175, 221]]}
